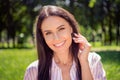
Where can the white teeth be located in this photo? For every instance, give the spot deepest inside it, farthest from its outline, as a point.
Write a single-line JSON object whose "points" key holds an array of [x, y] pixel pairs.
{"points": [[60, 44]]}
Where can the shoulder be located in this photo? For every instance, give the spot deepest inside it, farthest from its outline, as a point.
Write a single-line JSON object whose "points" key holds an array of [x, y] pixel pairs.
{"points": [[94, 55], [96, 67], [34, 64], [93, 58], [33, 67], [31, 71]]}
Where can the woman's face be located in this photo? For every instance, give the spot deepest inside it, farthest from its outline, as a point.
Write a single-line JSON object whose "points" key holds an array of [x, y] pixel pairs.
{"points": [[57, 33]]}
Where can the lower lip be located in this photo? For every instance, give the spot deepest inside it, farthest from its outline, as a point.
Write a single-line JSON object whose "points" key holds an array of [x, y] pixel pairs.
{"points": [[61, 44]]}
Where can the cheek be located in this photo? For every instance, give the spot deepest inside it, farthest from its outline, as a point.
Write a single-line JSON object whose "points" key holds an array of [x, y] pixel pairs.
{"points": [[48, 41], [48, 38], [66, 34]]}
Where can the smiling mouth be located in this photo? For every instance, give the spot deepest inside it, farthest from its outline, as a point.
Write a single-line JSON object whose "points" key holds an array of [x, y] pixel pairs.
{"points": [[59, 44]]}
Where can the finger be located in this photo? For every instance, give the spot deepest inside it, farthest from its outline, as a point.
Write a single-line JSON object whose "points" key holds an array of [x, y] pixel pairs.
{"points": [[78, 40], [81, 46], [76, 35], [80, 36], [81, 43]]}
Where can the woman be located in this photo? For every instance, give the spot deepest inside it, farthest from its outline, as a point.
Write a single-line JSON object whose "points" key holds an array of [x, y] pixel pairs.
{"points": [[63, 53]]}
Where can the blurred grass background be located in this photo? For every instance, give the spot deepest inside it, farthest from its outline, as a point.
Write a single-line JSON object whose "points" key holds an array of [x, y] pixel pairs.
{"points": [[13, 62]]}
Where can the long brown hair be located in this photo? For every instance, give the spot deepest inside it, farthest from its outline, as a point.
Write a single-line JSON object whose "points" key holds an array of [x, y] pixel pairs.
{"points": [[45, 54]]}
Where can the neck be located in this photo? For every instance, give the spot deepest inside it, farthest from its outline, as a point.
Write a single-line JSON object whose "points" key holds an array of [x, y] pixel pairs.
{"points": [[63, 57]]}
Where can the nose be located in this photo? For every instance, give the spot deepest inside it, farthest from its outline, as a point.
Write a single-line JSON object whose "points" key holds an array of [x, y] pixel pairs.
{"points": [[56, 36]]}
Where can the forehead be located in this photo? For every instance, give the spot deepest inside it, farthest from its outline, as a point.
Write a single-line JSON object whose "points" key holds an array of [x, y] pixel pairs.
{"points": [[53, 22]]}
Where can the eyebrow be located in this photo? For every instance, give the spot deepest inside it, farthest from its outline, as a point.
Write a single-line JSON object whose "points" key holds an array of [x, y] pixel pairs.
{"points": [[57, 28]]}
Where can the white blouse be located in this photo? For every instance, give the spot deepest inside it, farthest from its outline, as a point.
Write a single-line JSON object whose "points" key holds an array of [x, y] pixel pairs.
{"points": [[56, 74]]}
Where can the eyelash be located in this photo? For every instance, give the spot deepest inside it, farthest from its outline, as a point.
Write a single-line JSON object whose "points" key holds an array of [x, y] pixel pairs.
{"points": [[47, 33], [61, 29]]}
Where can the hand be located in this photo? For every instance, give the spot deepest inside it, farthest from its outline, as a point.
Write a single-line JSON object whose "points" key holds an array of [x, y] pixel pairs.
{"points": [[84, 47]]}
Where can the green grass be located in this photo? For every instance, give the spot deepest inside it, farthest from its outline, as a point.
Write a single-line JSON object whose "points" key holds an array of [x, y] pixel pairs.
{"points": [[97, 46], [111, 64], [13, 62]]}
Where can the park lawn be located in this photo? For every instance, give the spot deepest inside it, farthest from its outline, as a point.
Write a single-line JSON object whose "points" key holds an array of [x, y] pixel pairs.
{"points": [[13, 63], [111, 64]]}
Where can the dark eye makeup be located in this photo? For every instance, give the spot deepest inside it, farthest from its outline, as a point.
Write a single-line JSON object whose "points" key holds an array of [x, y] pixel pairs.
{"points": [[62, 28], [47, 33]]}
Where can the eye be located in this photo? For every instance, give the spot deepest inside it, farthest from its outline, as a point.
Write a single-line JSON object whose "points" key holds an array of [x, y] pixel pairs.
{"points": [[61, 29], [48, 33]]}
